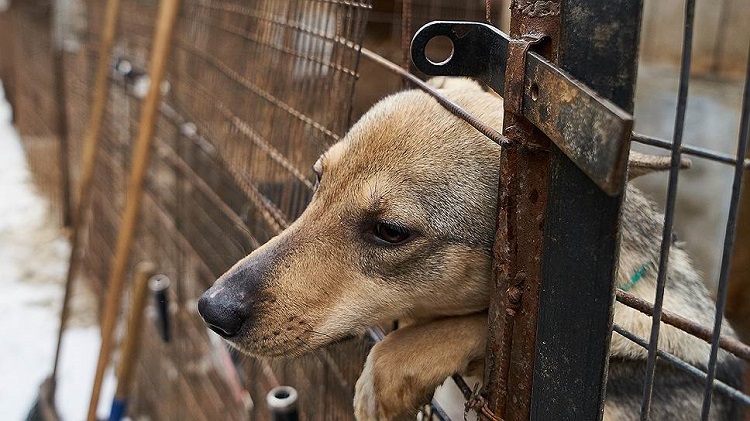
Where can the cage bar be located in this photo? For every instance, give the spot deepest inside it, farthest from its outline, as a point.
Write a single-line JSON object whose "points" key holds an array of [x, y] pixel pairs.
{"points": [[666, 240], [582, 225]]}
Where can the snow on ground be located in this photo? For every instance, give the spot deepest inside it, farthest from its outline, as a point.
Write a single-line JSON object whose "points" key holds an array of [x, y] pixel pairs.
{"points": [[33, 261]]}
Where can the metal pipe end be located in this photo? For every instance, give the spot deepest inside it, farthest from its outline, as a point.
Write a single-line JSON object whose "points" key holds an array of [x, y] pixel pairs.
{"points": [[158, 283], [282, 399]]}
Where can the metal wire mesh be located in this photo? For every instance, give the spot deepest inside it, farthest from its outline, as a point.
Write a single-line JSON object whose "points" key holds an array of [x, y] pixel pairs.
{"points": [[740, 165], [33, 80], [256, 92]]}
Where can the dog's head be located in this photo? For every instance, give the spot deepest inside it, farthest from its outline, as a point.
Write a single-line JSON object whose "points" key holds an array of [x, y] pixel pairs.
{"points": [[401, 225]]}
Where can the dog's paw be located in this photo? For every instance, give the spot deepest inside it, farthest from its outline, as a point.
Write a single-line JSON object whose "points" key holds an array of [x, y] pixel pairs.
{"points": [[403, 370], [387, 389], [365, 400]]}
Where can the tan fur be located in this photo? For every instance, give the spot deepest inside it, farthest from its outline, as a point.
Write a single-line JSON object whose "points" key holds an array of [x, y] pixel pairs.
{"points": [[462, 341], [408, 160]]}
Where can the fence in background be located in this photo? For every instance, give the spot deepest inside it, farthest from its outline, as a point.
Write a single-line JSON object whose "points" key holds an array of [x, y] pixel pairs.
{"points": [[256, 91]]}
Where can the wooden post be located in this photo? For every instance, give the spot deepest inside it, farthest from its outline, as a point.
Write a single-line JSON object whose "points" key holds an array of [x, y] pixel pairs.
{"points": [[58, 69], [739, 278], [139, 164], [132, 341], [90, 148], [738, 311]]}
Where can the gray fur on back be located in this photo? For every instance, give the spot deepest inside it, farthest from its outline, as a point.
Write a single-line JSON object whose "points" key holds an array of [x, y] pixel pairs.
{"points": [[677, 395]]}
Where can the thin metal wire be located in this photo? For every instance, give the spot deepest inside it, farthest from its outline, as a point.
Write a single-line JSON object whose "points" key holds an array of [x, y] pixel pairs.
{"points": [[689, 150], [252, 87], [406, 34], [682, 365], [666, 240], [438, 412], [729, 237], [280, 22], [449, 105]]}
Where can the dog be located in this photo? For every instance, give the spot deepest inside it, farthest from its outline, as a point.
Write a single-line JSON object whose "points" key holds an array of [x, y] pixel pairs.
{"points": [[401, 227]]}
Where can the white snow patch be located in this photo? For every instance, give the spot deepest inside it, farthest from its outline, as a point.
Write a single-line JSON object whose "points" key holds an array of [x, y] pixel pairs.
{"points": [[33, 261]]}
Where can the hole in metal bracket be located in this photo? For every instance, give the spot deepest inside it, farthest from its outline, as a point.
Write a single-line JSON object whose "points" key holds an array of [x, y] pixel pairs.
{"points": [[439, 50]]}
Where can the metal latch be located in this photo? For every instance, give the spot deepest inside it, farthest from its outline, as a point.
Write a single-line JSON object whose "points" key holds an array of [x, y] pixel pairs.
{"points": [[592, 131]]}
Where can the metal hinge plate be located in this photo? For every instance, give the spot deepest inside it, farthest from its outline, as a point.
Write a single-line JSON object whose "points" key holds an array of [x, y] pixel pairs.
{"points": [[592, 131]]}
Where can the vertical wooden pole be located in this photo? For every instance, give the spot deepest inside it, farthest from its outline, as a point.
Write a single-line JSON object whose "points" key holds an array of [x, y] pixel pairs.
{"points": [[58, 69], [738, 309], [139, 164], [131, 343], [90, 148], [738, 298], [406, 34]]}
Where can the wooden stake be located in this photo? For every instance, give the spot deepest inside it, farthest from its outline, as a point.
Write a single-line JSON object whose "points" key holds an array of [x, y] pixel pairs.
{"points": [[139, 164], [90, 148], [132, 341], [58, 60], [739, 277]]}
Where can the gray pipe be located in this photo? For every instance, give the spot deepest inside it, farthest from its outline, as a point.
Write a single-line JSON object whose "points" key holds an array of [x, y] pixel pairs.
{"points": [[282, 403], [159, 285]]}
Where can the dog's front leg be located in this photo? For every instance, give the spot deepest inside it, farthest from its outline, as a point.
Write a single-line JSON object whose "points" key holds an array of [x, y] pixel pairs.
{"points": [[404, 369]]}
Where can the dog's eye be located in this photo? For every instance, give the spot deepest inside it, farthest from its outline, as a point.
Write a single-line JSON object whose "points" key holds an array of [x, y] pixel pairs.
{"points": [[390, 233]]}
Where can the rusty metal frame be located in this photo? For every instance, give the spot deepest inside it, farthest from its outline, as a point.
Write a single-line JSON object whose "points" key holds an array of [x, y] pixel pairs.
{"points": [[544, 226], [727, 343], [581, 222], [567, 111], [547, 202], [523, 192], [581, 246]]}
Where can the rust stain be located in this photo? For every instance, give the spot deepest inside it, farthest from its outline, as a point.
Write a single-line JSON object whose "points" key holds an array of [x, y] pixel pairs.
{"points": [[537, 8], [518, 245]]}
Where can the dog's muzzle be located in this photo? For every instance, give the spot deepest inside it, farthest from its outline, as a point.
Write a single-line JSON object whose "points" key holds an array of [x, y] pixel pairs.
{"points": [[230, 304]]}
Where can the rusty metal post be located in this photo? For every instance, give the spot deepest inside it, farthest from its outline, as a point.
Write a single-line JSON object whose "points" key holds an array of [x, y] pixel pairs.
{"points": [[520, 234], [562, 176], [556, 245], [598, 46]]}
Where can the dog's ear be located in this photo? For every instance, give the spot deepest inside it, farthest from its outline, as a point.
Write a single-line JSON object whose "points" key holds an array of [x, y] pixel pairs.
{"points": [[641, 164], [460, 83]]}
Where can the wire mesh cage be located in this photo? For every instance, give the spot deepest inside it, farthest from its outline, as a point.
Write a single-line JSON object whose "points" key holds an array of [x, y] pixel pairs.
{"points": [[254, 93]]}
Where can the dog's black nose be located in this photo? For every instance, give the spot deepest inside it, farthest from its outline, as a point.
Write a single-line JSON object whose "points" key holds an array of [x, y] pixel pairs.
{"points": [[234, 302], [222, 313]]}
